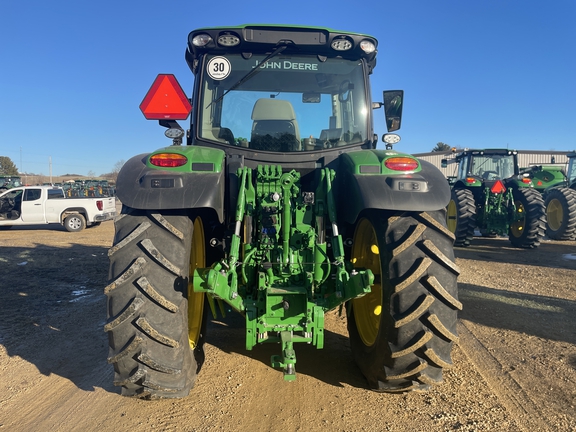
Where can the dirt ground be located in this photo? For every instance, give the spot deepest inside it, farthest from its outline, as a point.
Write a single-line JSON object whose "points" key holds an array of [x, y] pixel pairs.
{"points": [[514, 369]]}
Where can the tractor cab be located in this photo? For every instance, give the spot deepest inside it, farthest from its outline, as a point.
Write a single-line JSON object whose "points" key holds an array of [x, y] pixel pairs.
{"points": [[266, 89], [486, 165], [8, 182]]}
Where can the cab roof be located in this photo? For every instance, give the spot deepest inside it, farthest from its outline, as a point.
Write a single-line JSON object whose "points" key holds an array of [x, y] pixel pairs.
{"points": [[264, 38]]}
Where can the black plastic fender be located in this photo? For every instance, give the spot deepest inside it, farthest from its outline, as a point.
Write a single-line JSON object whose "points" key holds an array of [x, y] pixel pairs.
{"points": [[426, 190], [141, 187]]}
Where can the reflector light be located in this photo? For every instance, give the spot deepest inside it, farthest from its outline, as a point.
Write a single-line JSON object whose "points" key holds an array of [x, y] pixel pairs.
{"points": [[168, 160], [498, 187], [401, 164], [341, 44], [228, 40], [539, 183], [165, 100], [367, 46], [201, 40]]}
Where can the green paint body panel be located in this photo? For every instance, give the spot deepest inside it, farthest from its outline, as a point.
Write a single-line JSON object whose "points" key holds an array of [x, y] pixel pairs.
{"points": [[548, 176], [274, 26]]}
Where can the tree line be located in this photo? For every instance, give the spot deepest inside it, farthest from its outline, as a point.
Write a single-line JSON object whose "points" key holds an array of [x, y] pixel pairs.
{"points": [[8, 168]]}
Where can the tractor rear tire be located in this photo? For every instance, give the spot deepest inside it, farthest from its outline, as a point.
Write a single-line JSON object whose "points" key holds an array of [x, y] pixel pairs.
{"points": [[151, 345], [528, 232], [461, 216], [402, 332], [560, 206]]}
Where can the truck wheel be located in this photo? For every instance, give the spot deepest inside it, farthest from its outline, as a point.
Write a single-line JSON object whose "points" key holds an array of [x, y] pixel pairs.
{"points": [[529, 229], [75, 222], [461, 216], [156, 324], [561, 214], [402, 332]]}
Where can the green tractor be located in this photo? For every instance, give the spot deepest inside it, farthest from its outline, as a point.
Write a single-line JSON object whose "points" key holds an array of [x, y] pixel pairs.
{"points": [[9, 182], [545, 176], [490, 194], [560, 202], [275, 203]]}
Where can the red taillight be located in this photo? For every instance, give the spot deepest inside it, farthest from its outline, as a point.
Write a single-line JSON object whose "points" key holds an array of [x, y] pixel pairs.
{"points": [[168, 160], [100, 205], [401, 164], [471, 180], [526, 180], [498, 187]]}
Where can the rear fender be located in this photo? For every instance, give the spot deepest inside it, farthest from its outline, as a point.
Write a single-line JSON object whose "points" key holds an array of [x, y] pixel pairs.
{"points": [[198, 184], [424, 189]]}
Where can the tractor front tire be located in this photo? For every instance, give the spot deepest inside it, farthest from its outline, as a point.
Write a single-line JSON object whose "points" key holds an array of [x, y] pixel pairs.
{"points": [[402, 332], [461, 216], [528, 230], [560, 206], [155, 346]]}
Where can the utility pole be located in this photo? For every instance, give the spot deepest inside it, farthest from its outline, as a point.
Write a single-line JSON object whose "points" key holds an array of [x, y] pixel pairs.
{"points": [[22, 169]]}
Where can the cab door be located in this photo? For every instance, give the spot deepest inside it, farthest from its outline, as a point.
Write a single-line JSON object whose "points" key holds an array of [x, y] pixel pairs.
{"points": [[32, 206]]}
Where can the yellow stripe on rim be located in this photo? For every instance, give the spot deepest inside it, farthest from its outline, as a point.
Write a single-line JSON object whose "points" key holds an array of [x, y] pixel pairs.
{"points": [[367, 309], [517, 228], [452, 216], [555, 214], [196, 300]]}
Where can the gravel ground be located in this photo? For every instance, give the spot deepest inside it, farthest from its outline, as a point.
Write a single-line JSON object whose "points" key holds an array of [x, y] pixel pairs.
{"points": [[514, 369]]}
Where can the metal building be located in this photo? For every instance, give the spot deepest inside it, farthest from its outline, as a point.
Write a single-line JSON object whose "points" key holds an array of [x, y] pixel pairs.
{"points": [[526, 158]]}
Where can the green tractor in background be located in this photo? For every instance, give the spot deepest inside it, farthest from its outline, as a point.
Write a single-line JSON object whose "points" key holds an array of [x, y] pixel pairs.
{"points": [[560, 202], [279, 207], [490, 194], [9, 182]]}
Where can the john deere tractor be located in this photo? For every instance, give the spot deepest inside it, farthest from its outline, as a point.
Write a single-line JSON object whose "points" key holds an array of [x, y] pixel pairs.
{"points": [[490, 194], [274, 202], [560, 201], [9, 182]]}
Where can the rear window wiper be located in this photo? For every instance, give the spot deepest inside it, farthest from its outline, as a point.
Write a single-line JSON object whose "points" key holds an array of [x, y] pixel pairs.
{"points": [[251, 73]]}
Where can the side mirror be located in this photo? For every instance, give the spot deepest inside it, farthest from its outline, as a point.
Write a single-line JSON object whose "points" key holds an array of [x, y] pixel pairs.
{"points": [[444, 163], [393, 101]]}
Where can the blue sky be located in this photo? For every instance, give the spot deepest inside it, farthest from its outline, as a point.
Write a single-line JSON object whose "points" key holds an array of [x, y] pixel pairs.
{"points": [[476, 73]]}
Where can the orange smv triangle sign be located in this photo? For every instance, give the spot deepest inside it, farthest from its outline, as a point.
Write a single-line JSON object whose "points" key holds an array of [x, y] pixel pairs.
{"points": [[165, 100]]}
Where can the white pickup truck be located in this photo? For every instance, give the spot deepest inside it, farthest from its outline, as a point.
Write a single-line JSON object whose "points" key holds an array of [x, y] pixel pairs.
{"points": [[34, 205]]}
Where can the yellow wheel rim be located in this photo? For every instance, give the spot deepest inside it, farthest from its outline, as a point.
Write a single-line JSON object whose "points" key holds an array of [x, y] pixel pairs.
{"points": [[517, 228], [452, 216], [554, 214], [367, 309], [196, 300]]}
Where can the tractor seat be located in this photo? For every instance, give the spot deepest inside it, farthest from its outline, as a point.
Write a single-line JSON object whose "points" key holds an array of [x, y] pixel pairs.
{"points": [[490, 175], [275, 127]]}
